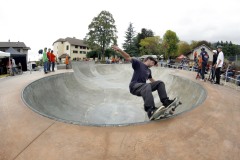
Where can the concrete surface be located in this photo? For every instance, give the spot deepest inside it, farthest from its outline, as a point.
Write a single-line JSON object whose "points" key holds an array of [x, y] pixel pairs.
{"points": [[99, 95], [209, 131]]}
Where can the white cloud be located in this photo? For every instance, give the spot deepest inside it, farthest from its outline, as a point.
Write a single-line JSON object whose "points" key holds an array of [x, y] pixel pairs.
{"points": [[40, 23]]}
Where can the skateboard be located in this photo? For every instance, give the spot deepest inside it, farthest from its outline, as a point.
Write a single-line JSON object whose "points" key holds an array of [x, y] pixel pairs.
{"points": [[164, 112]]}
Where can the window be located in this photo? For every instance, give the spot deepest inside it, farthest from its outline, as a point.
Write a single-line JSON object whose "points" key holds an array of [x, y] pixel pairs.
{"points": [[67, 47], [75, 51], [80, 52], [76, 46], [84, 52]]}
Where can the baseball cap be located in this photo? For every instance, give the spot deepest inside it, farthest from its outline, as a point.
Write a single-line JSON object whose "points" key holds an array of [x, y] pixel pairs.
{"points": [[214, 51], [152, 59]]}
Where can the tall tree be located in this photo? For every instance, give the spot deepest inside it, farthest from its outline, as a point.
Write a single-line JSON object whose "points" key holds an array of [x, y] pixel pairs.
{"points": [[144, 33], [102, 32], [170, 41], [129, 45], [151, 46]]}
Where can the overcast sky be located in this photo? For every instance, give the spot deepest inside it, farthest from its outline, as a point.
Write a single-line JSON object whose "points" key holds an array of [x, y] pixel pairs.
{"points": [[38, 23]]}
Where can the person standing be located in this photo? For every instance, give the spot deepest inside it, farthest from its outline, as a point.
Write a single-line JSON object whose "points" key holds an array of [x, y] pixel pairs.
{"points": [[66, 61], [199, 67], [213, 69], [205, 57], [52, 59], [219, 64], [45, 60], [49, 59], [138, 85], [13, 63]]}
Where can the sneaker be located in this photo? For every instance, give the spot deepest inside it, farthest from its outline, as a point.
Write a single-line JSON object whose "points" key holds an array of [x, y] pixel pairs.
{"points": [[151, 111], [167, 102]]}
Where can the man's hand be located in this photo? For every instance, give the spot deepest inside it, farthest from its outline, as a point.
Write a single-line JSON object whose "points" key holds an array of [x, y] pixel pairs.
{"points": [[123, 53], [116, 48]]}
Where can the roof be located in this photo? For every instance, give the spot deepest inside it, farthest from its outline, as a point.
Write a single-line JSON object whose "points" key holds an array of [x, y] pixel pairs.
{"points": [[13, 45], [15, 53], [72, 41], [203, 45]]}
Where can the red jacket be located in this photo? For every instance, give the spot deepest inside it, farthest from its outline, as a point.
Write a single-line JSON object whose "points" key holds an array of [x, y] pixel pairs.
{"points": [[49, 56], [52, 57]]}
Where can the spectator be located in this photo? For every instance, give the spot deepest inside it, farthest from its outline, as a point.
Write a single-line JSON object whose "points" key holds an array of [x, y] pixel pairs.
{"points": [[13, 65], [205, 57], [49, 59], [231, 71], [238, 80], [219, 64], [66, 61], [45, 60], [53, 60], [215, 54], [199, 67]]}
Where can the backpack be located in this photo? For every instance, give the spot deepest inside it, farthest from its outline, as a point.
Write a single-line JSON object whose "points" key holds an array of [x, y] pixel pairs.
{"points": [[205, 56]]}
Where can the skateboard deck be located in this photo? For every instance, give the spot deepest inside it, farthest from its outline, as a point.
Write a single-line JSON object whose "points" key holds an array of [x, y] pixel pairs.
{"points": [[164, 112]]}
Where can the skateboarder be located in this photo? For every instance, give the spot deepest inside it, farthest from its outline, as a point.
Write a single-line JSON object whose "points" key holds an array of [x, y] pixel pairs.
{"points": [[138, 85]]}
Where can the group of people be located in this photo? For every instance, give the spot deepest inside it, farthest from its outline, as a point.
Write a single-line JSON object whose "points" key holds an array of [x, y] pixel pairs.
{"points": [[49, 60], [217, 64]]}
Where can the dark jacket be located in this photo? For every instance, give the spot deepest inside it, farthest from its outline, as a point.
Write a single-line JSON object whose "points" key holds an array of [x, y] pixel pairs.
{"points": [[214, 59]]}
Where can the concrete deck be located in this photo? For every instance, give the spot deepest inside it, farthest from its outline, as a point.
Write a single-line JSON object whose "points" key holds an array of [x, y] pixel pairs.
{"points": [[209, 131]]}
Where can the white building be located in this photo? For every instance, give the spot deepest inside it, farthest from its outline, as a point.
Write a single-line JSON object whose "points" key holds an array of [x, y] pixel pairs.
{"points": [[75, 48], [198, 50]]}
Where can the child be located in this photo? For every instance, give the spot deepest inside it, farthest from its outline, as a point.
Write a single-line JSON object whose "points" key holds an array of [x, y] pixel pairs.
{"points": [[199, 67]]}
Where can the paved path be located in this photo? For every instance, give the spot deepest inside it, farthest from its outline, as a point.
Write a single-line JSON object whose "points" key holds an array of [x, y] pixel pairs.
{"points": [[210, 131]]}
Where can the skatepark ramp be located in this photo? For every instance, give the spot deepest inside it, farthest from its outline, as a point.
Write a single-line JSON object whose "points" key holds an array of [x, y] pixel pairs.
{"points": [[98, 95]]}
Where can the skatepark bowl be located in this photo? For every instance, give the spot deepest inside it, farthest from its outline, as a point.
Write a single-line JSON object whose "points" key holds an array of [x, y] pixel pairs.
{"points": [[98, 95]]}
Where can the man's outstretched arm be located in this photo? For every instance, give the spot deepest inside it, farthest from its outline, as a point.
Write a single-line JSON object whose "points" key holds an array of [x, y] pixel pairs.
{"points": [[125, 55]]}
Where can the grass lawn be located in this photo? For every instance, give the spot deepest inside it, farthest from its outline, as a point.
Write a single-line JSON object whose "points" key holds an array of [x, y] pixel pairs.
{"points": [[4, 75]]}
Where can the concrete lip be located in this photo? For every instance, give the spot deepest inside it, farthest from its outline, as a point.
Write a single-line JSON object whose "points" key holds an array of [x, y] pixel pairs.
{"points": [[98, 95]]}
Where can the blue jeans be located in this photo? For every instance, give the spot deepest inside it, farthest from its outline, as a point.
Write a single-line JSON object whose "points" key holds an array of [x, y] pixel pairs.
{"points": [[145, 91], [238, 80], [45, 65], [48, 65], [229, 74], [53, 65]]}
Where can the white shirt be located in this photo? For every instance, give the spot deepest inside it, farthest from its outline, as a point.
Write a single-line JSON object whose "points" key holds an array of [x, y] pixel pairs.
{"points": [[220, 57], [13, 63]]}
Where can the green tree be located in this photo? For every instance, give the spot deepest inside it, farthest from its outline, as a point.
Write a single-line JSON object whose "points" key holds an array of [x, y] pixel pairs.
{"points": [[170, 41], [102, 32], [110, 52], [93, 54], [129, 45], [150, 46], [183, 48], [144, 33]]}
